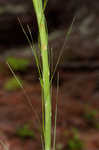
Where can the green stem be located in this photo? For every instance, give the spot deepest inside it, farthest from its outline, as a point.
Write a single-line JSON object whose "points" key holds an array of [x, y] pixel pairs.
{"points": [[38, 6]]}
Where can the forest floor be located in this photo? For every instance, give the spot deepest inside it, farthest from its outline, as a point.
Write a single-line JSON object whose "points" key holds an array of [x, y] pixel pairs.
{"points": [[77, 117]]}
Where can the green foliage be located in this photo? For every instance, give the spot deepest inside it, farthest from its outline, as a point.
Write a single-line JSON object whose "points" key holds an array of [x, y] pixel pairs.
{"points": [[25, 132], [91, 118], [90, 115], [18, 64], [74, 142], [3, 69], [12, 84]]}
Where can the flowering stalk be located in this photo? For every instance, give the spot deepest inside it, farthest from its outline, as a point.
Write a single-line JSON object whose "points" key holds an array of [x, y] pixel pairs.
{"points": [[39, 10]]}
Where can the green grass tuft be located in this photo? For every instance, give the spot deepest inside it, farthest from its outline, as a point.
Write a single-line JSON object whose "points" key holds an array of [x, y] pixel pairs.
{"points": [[90, 115], [25, 132], [12, 84], [18, 64], [75, 143], [91, 118]]}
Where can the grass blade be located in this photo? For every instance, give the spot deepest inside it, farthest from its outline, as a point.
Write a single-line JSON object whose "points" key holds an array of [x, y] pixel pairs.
{"points": [[27, 97], [62, 49], [32, 48]]}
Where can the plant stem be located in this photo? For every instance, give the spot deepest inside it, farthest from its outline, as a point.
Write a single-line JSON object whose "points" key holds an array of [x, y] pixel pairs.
{"points": [[38, 6]]}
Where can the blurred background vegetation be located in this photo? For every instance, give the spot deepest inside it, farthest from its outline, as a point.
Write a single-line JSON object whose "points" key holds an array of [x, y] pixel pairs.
{"points": [[59, 14]]}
